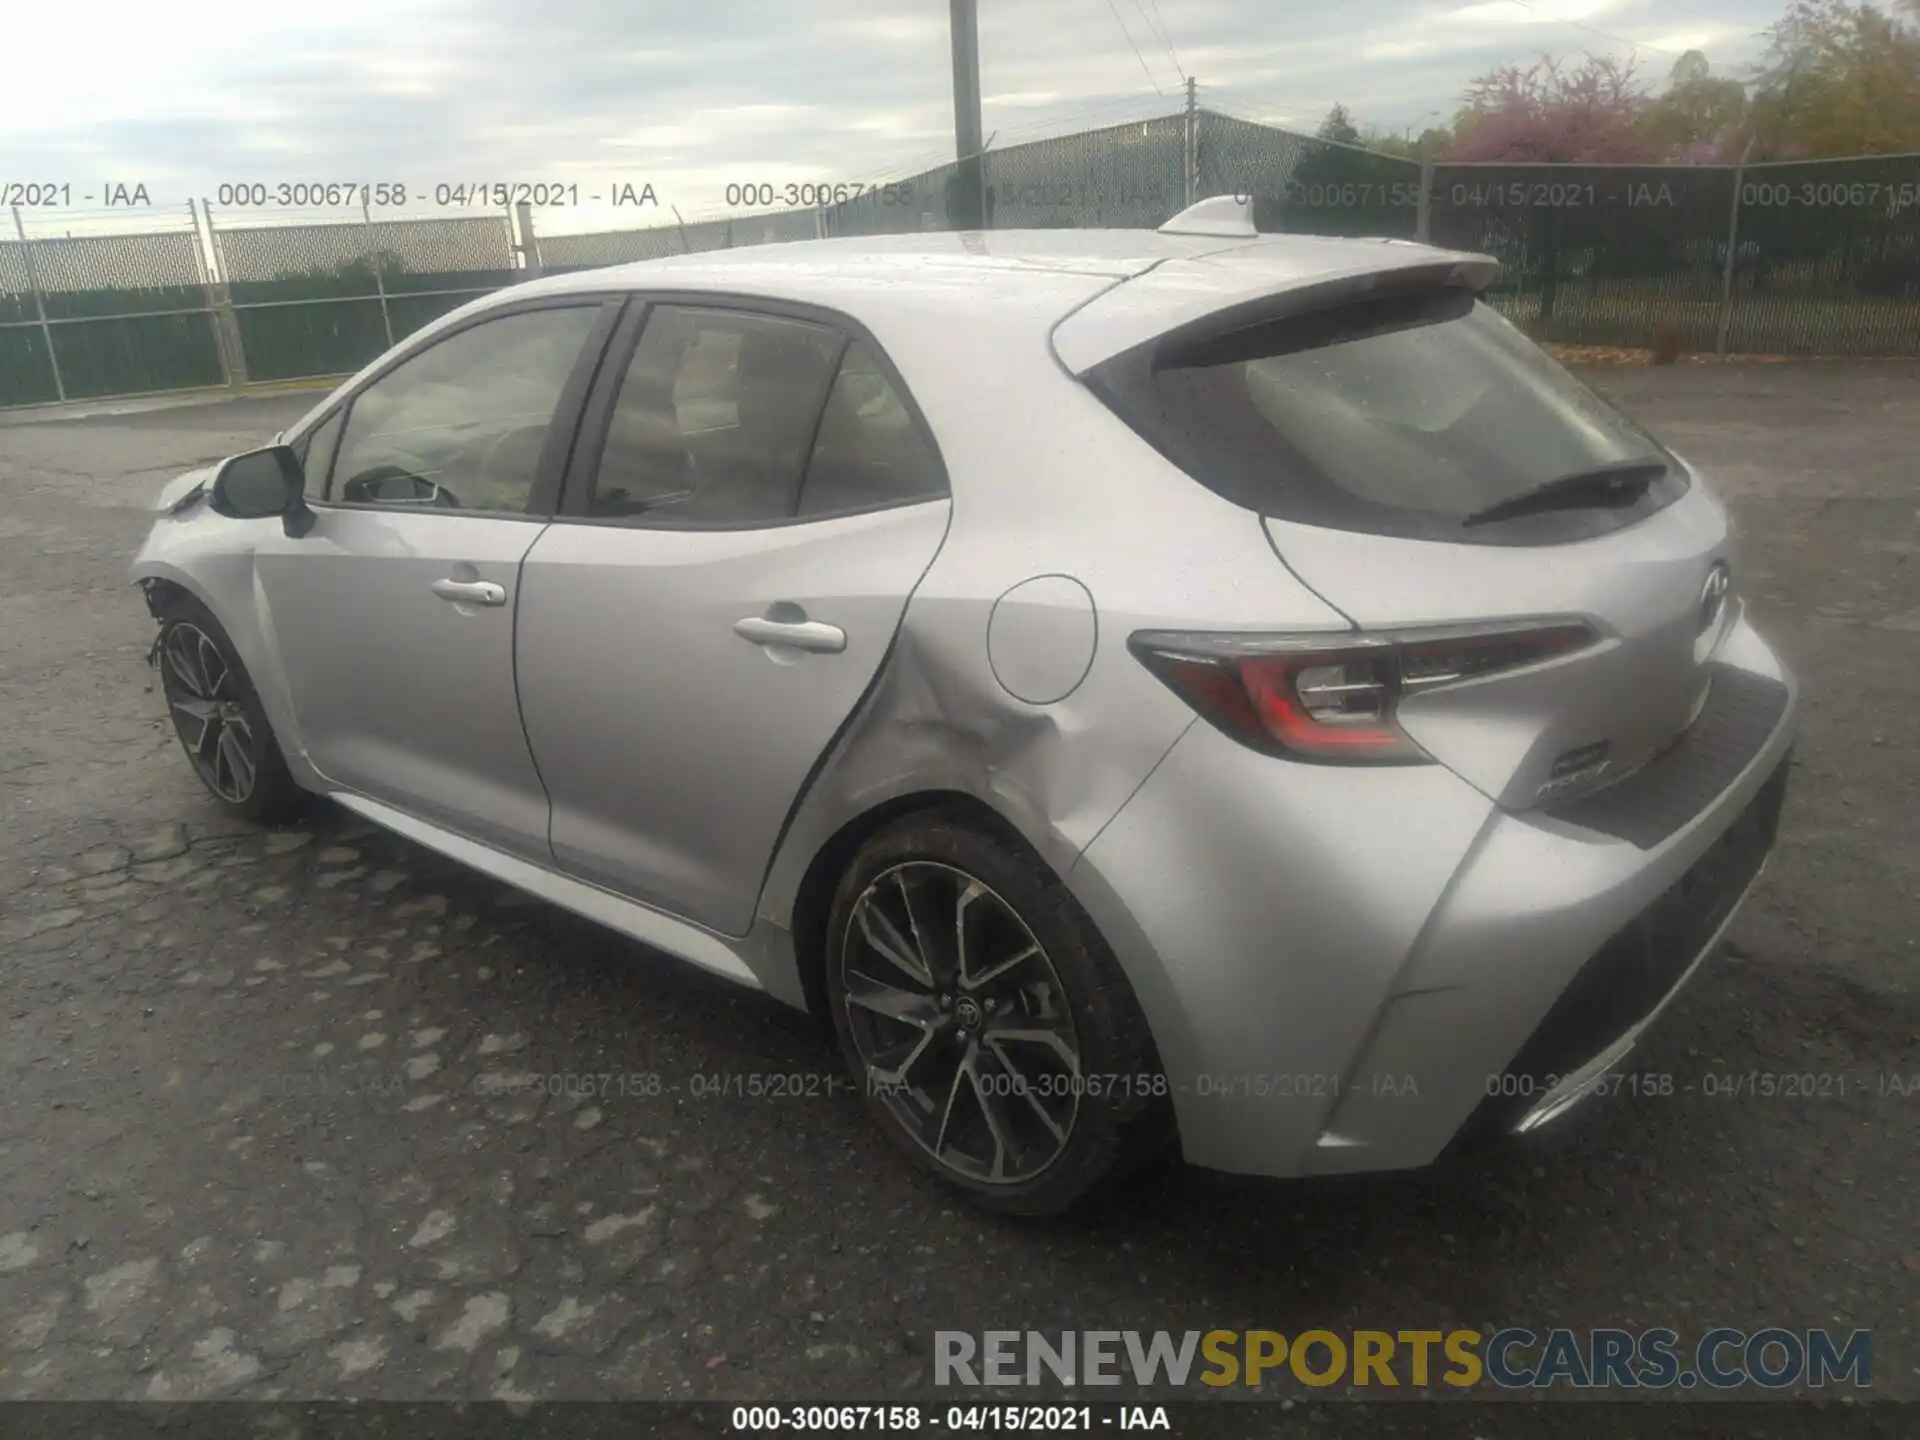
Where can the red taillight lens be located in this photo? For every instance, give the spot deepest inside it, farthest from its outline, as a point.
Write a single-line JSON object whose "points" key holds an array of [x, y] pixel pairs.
{"points": [[1332, 698]]}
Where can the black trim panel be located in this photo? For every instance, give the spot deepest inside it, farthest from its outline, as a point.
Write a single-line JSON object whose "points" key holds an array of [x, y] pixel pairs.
{"points": [[1742, 711], [563, 429], [1632, 974]]}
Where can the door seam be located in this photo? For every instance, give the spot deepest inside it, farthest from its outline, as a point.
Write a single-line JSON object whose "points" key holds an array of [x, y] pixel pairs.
{"points": [[519, 707]]}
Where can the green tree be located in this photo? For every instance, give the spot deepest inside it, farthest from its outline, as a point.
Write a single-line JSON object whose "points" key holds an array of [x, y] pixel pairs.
{"points": [[1339, 127], [1839, 79], [1700, 116], [1429, 144]]}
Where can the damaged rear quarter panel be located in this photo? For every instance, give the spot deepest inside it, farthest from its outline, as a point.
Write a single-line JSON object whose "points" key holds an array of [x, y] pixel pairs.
{"points": [[1045, 482]]}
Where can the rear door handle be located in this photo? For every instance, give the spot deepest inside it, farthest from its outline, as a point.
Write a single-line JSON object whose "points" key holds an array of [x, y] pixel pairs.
{"points": [[814, 635], [471, 592]]}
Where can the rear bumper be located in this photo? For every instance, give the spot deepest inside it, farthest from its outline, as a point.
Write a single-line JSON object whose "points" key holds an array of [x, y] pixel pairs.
{"points": [[1418, 964], [1616, 996]]}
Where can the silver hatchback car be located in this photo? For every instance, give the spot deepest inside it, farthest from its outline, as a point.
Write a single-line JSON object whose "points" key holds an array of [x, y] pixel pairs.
{"points": [[1175, 692]]}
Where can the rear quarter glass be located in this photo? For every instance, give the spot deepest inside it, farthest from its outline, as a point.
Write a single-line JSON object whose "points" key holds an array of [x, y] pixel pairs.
{"points": [[1399, 414]]}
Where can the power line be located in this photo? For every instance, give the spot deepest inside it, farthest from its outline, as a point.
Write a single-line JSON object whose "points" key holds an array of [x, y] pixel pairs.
{"points": [[1210, 99], [1159, 33], [1133, 47], [1595, 29]]}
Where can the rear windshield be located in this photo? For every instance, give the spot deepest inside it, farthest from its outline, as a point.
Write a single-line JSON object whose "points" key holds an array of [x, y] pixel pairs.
{"points": [[1410, 414]]}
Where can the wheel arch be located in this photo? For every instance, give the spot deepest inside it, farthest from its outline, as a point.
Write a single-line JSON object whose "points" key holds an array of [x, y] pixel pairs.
{"points": [[160, 583], [813, 898]]}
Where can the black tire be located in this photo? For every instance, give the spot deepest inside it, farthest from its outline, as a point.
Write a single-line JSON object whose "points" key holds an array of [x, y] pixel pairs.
{"points": [[1120, 1116], [190, 640]]}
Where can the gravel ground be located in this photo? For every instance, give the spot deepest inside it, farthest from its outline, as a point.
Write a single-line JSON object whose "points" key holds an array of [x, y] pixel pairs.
{"points": [[251, 1150]]}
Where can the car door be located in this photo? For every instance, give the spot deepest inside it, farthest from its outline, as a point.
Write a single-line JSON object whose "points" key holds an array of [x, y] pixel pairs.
{"points": [[393, 617], [754, 501]]}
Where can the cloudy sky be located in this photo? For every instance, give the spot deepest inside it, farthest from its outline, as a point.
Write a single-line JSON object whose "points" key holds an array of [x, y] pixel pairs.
{"points": [[692, 97]]}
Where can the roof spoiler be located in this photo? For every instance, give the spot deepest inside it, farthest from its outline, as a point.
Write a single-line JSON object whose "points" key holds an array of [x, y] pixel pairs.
{"points": [[1228, 216], [1179, 302]]}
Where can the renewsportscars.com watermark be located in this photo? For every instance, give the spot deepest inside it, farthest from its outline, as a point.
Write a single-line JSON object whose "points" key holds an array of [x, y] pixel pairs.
{"points": [[1515, 1358]]}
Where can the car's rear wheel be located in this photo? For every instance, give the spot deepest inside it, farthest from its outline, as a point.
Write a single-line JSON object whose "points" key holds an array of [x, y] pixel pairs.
{"points": [[218, 716], [989, 1026]]}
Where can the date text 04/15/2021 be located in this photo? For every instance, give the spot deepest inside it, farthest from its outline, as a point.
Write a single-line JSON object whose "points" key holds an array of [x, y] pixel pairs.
{"points": [[958, 1419]]}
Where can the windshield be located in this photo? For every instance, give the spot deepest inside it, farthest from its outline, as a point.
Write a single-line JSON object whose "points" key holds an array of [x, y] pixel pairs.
{"points": [[1404, 414]]}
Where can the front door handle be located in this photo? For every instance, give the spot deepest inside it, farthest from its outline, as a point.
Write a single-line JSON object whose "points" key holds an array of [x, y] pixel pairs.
{"points": [[814, 635], [471, 592]]}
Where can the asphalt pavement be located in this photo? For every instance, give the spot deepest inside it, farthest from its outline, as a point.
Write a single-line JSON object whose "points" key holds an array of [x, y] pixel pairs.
{"points": [[289, 1112]]}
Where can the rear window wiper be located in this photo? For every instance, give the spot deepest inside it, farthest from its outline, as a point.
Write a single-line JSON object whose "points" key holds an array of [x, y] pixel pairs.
{"points": [[1618, 483]]}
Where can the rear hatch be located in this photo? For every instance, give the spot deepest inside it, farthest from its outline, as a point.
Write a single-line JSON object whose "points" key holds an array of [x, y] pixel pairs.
{"points": [[1432, 474]]}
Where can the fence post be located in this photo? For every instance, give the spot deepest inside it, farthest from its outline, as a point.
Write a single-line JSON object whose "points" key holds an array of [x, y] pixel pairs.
{"points": [[1733, 250], [226, 325], [379, 280], [1423, 206], [528, 243], [1192, 165], [39, 304]]}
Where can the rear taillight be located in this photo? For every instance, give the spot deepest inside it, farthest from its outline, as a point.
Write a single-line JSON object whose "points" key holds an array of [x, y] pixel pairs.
{"points": [[1332, 698]]}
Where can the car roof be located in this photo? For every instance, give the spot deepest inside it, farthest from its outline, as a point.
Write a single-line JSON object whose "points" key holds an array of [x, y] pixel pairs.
{"points": [[1042, 276], [936, 256], [1085, 294]]}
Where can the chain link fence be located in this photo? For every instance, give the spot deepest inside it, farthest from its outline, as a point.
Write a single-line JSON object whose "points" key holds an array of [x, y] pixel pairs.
{"points": [[84, 316], [562, 253], [1816, 258], [1595, 255], [1800, 259], [1123, 177], [27, 375], [1827, 259], [324, 299], [1304, 186]]}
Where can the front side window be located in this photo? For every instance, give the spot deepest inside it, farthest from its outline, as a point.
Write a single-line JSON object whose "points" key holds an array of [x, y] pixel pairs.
{"points": [[714, 419], [461, 425]]}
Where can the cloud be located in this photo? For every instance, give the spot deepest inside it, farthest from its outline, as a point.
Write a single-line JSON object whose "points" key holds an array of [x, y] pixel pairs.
{"points": [[692, 98]]}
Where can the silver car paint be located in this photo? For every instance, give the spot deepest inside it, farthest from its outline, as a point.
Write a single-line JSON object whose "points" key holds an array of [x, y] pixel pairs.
{"points": [[1532, 901], [405, 696], [1275, 920], [1335, 932], [631, 665], [1639, 588]]}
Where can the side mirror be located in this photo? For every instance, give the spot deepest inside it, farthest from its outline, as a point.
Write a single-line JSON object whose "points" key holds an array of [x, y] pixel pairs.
{"points": [[262, 483]]}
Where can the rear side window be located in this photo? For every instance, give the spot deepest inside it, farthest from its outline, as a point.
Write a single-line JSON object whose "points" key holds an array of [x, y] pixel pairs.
{"points": [[1421, 413], [869, 451], [714, 419]]}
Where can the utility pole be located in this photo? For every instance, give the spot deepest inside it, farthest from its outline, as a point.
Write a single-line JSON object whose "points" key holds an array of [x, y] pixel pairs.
{"points": [[1192, 166], [967, 203]]}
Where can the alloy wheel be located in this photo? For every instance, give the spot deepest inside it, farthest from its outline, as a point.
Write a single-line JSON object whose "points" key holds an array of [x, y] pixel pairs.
{"points": [[961, 1022], [203, 693]]}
